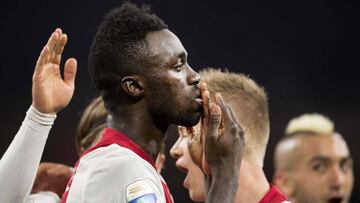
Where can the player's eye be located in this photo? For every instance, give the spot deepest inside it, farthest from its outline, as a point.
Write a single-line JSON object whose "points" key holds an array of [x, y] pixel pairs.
{"points": [[179, 65], [346, 164], [319, 167]]}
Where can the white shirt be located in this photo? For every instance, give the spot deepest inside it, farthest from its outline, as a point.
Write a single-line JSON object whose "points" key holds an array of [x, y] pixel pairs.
{"points": [[114, 174]]}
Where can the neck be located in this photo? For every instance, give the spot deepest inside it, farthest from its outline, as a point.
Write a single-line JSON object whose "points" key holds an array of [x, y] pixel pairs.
{"points": [[134, 122], [253, 184]]}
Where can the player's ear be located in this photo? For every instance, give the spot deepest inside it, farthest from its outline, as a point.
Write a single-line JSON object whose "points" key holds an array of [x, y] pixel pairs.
{"points": [[285, 182], [133, 85]]}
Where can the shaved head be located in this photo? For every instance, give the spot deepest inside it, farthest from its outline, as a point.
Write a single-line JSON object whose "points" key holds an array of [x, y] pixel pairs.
{"points": [[313, 162]]}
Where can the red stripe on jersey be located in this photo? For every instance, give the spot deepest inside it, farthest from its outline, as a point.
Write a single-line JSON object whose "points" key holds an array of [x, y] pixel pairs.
{"points": [[111, 136], [274, 196]]}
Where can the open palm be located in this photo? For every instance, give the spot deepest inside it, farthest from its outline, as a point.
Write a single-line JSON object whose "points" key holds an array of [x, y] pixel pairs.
{"points": [[50, 92]]}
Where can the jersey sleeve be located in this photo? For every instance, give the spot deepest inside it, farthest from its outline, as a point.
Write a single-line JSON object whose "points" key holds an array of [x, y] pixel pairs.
{"points": [[115, 174], [19, 164]]}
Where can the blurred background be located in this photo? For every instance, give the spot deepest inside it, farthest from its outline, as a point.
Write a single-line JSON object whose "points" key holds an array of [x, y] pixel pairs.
{"points": [[306, 54]]}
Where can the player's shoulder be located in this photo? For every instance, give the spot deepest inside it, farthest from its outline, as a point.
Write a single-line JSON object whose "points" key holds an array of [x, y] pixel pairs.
{"points": [[112, 153], [117, 171], [117, 160]]}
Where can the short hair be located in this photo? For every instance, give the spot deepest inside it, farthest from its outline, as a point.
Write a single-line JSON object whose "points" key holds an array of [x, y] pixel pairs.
{"points": [[308, 124], [249, 102], [92, 122], [119, 47]]}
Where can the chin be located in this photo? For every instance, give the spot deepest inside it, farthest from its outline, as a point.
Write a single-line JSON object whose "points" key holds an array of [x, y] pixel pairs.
{"points": [[190, 120], [196, 197]]}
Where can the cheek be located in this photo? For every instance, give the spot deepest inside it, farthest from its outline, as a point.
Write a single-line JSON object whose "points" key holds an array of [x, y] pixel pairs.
{"points": [[196, 152], [168, 92], [310, 185], [349, 181]]}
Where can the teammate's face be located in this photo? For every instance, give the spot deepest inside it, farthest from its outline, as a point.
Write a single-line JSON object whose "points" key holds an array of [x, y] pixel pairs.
{"points": [[194, 180], [324, 172], [172, 87]]}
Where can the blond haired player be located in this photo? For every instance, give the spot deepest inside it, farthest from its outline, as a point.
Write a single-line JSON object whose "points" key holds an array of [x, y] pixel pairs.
{"points": [[313, 162], [248, 101]]}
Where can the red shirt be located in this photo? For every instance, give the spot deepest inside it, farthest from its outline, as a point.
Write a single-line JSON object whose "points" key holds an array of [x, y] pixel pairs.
{"points": [[274, 196]]}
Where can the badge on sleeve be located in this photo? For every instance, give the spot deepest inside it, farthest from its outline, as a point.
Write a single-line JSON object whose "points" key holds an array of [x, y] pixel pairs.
{"points": [[140, 192]]}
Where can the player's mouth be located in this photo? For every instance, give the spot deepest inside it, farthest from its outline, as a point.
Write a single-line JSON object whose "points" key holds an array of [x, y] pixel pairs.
{"points": [[335, 200], [199, 101], [182, 169], [198, 98]]}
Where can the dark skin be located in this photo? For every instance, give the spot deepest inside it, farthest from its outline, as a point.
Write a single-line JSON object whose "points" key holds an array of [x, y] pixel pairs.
{"points": [[169, 93], [223, 150]]}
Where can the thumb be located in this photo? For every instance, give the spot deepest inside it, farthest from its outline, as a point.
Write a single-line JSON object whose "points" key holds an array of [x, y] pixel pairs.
{"points": [[70, 71]]}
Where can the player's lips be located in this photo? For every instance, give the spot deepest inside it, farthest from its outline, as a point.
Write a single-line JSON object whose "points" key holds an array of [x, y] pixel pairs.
{"points": [[184, 170], [335, 200], [199, 101], [181, 168], [198, 98]]}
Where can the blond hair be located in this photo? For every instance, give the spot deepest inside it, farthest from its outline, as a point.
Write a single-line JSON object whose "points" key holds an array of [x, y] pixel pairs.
{"points": [[249, 102], [305, 124], [310, 123], [92, 122]]}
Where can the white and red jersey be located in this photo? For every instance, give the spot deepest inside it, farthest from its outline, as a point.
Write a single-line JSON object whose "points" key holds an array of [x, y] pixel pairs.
{"points": [[274, 196], [116, 170]]}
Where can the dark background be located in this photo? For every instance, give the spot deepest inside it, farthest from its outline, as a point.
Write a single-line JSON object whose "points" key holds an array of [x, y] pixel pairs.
{"points": [[306, 54]]}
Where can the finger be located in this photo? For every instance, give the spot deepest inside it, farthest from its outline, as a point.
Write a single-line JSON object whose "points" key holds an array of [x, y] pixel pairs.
{"points": [[206, 103], [53, 50], [51, 44], [70, 71], [233, 117], [40, 62], [225, 110], [205, 96], [59, 48], [206, 112], [203, 87], [214, 122], [58, 30]]}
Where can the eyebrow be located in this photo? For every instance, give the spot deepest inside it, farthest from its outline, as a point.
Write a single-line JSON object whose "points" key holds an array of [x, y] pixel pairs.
{"points": [[326, 159], [320, 158]]}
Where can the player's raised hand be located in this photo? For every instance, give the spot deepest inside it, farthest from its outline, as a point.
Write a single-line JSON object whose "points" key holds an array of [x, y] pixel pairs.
{"points": [[197, 135], [220, 139], [51, 92], [224, 141]]}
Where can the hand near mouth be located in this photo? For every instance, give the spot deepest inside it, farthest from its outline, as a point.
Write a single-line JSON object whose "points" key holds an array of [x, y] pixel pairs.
{"points": [[222, 142]]}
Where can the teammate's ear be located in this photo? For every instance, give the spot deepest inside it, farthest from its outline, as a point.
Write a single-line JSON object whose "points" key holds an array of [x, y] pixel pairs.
{"points": [[133, 85]]}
